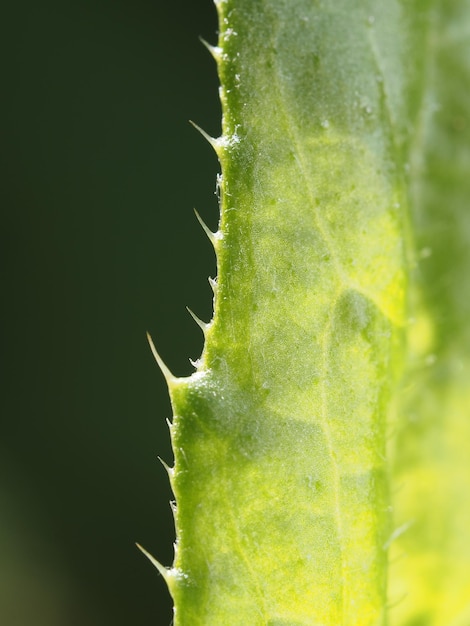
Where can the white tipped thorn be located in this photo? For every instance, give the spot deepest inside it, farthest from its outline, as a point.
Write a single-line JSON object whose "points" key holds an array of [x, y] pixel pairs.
{"points": [[202, 325], [213, 283], [212, 140], [169, 469], [214, 50], [161, 568], [165, 371], [212, 236]]}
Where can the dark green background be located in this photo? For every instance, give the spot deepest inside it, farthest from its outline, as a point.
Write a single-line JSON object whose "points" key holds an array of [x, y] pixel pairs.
{"points": [[100, 171]]}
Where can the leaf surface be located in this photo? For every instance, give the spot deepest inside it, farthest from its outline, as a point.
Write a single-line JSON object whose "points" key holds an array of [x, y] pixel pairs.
{"points": [[282, 470]]}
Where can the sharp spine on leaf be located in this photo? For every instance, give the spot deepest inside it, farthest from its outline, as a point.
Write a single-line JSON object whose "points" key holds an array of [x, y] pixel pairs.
{"points": [[202, 325], [215, 143], [165, 371], [397, 533], [213, 284], [214, 50], [212, 236], [169, 469], [161, 568]]}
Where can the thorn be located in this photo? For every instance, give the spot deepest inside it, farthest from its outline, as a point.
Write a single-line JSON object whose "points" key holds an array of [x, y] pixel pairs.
{"points": [[394, 603], [165, 371], [398, 532], [213, 284], [173, 507], [167, 467], [202, 325], [212, 236], [161, 568], [195, 363], [213, 142], [214, 50], [169, 424]]}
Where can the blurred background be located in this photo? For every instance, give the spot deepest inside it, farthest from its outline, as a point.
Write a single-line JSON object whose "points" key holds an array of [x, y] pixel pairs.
{"points": [[100, 173]]}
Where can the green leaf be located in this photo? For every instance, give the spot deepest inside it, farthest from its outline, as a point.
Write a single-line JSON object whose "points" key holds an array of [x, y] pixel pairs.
{"points": [[282, 470], [432, 460]]}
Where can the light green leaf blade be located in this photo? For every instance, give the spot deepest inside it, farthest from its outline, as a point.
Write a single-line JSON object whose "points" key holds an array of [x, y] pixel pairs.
{"points": [[432, 573], [279, 437], [282, 470]]}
